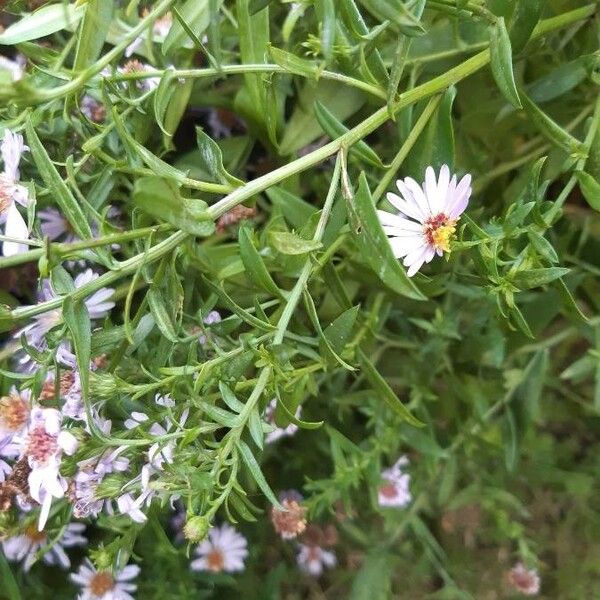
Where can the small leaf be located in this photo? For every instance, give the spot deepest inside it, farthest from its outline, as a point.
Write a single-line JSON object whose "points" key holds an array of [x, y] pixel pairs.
{"points": [[334, 129], [161, 199], [294, 64], [255, 428], [338, 332], [56, 184], [501, 62], [256, 473], [380, 385], [549, 128], [47, 20], [92, 33], [256, 270], [220, 415], [161, 314], [292, 244], [532, 278], [373, 245], [525, 17], [213, 159], [590, 188], [326, 15]]}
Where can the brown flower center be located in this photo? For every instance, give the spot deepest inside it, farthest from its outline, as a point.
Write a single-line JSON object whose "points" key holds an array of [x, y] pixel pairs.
{"points": [[5, 193], [41, 445], [101, 583], [388, 490], [215, 561], [36, 537], [14, 412]]}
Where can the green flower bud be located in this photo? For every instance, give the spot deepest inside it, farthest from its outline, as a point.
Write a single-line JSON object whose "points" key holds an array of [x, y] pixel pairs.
{"points": [[196, 528]]}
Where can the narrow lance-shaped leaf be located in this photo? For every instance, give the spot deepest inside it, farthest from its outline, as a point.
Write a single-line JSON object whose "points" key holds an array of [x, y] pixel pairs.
{"points": [[525, 18], [92, 33], [373, 245], [255, 266], [501, 62], [47, 20], [254, 468], [56, 184], [590, 188], [385, 392]]}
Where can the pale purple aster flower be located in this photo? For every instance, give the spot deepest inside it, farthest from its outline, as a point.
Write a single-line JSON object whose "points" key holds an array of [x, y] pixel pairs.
{"points": [[527, 581], [105, 585], [43, 444], [395, 491], [225, 550], [25, 546], [427, 216], [54, 225], [314, 560]]}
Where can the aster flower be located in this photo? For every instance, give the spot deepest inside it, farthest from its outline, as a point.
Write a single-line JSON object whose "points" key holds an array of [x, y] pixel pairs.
{"points": [[394, 491], [98, 305], [314, 560], [43, 444], [225, 550], [105, 585], [427, 216], [278, 432], [54, 225], [137, 66], [526, 581], [25, 546], [94, 110], [11, 193]]}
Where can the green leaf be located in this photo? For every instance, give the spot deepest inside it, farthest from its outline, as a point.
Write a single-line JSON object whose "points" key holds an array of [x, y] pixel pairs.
{"points": [[569, 303], [334, 129], [590, 188], [396, 12], [197, 15], [77, 319], [56, 184], [501, 62], [229, 398], [212, 159], [373, 245], [8, 580], [291, 243], [373, 580], [296, 211], [554, 132], [161, 199], [92, 33], [161, 314], [379, 385], [256, 270], [525, 17], [338, 331], [292, 418], [220, 415], [47, 20], [256, 473], [532, 278], [255, 428], [294, 64]]}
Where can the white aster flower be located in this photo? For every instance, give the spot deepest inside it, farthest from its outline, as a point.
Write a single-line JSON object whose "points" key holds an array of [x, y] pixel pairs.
{"points": [[427, 216], [43, 443], [24, 547], [98, 305], [54, 225], [278, 432], [395, 492], [105, 585], [313, 559], [12, 193], [527, 581], [225, 550]]}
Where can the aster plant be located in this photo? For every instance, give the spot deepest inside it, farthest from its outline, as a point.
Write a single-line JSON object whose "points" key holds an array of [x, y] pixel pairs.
{"points": [[299, 299]]}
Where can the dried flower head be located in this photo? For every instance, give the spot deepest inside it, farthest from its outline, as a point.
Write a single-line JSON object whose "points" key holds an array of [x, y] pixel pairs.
{"points": [[291, 521], [526, 581]]}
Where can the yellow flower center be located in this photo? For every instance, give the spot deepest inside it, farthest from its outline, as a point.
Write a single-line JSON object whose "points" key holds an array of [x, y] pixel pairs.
{"points": [[439, 230]]}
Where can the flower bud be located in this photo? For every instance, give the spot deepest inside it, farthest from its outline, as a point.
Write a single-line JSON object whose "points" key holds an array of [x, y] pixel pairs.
{"points": [[196, 528]]}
